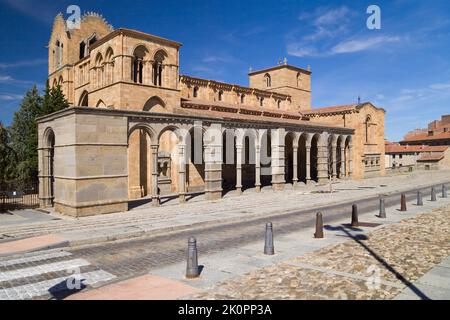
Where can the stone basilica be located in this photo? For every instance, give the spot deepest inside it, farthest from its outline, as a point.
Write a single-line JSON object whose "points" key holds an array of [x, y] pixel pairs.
{"points": [[136, 124]]}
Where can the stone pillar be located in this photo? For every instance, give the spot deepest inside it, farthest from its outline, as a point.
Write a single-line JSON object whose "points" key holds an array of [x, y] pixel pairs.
{"points": [[308, 162], [155, 194], [258, 168], [350, 160], [334, 157], [278, 158], [342, 172], [213, 162], [182, 172], [322, 159], [239, 168], [295, 165]]}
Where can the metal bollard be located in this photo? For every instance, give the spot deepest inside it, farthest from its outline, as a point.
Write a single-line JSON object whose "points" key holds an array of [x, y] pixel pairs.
{"points": [[382, 214], [268, 244], [403, 203], [444, 191], [419, 198], [433, 194], [355, 222], [192, 270], [319, 226]]}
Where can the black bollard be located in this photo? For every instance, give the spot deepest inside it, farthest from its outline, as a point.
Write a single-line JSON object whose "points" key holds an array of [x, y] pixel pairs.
{"points": [[192, 270], [268, 244], [419, 198], [433, 194], [319, 226], [382, 214], [355, 222], [444, 191], [403, 203]]}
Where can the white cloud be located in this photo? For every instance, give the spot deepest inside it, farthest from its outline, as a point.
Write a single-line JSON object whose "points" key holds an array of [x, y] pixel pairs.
{"points": [[10, 97], [24, 63], [333, 16], [5, 78], [361, 44], [440, 86]]}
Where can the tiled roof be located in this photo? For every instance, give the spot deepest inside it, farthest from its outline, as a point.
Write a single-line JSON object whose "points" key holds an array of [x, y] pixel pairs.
{"points": [[226, 111], [431, 157], [426, 137], [332, 109], [396, 148]]}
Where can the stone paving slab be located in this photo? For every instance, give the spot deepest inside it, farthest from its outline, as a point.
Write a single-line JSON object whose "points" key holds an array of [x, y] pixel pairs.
{"points": [[147, 287], [251, 205], [378, 266], [32, 244]]}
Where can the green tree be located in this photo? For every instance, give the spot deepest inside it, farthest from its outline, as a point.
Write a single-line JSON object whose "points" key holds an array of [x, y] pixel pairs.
{"points": [[24, 137], [54, 100], [5, 157]]}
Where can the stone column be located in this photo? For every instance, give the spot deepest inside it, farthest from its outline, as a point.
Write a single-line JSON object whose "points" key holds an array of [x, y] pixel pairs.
{"points": [[295, 165], [258, 168], [155, 194], [278, 158], [322, 159], [308, 161], [182, 173], [342, 172], [213, 162], [239, 168], [350, 160], [334, 157]]}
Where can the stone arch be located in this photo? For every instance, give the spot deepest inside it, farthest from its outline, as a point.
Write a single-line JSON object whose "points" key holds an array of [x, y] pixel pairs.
{"points": [[155, 104], [158, 62], [48, 166], [195, 164], [267, 80], [99, 70], [100, 104], [84, 99], [290, 140], [140, 54], [109, 66], [265, 145], [169, 139], [141, 137]]}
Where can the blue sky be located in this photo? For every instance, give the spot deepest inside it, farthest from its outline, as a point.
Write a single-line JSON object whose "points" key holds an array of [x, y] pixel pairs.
{"points": [[404, 67]]}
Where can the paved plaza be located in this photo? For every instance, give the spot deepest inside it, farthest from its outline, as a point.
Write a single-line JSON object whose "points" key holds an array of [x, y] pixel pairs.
{"points": [[402, 256]]}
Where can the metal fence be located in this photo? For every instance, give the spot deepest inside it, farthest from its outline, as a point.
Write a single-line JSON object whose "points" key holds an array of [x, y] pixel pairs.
{"points": [[15, 197]]}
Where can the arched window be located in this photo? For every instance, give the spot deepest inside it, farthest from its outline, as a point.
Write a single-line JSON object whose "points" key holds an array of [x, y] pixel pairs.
{"points": [[56, 55], [367, 127], [158, 59], [138, 64], [109, 66], [220, 95], [242, 98], [82, 49], [154, 104], [84, 99], [195, 94], [261, 101], [268, 80], [99, 70]]}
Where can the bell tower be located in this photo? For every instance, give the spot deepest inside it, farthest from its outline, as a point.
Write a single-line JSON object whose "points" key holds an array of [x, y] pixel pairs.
{"points": [[285, 79]]}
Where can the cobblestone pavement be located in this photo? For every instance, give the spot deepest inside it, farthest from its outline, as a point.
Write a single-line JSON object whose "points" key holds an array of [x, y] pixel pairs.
{"points": [[114, 261], [146, 220], [375, 267]]}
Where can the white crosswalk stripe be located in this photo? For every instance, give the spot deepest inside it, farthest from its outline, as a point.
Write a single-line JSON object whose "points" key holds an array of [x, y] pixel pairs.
{"points": [[35, 258], [42, 288], [19, 284], [45, 268]]}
